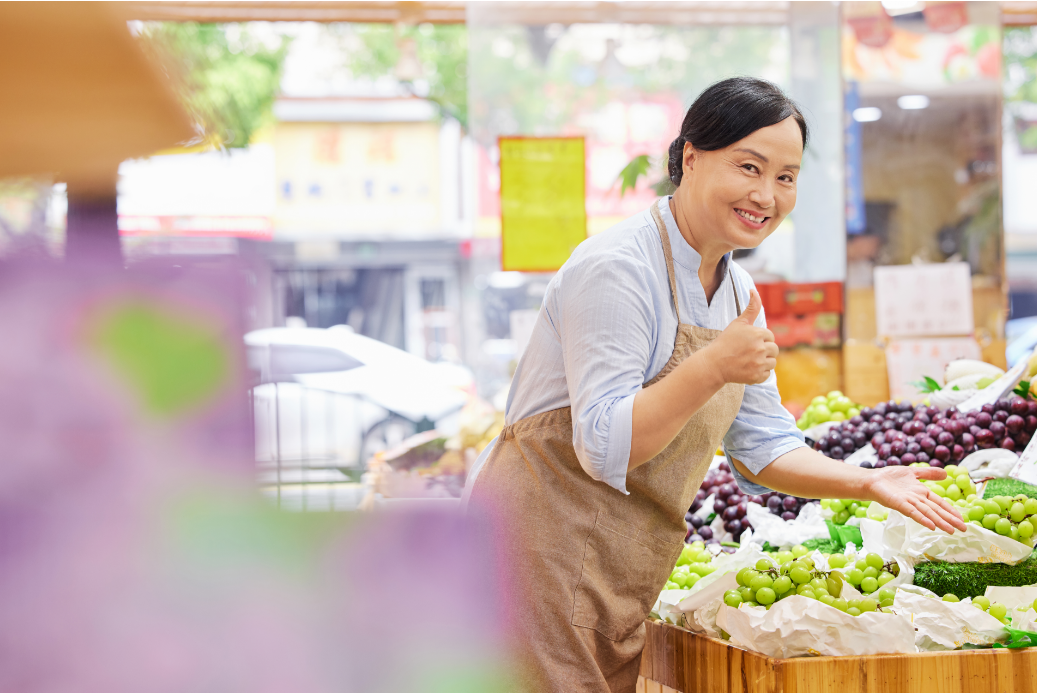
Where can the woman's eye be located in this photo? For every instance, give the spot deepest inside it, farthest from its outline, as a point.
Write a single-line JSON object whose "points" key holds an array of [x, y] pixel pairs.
{"points": [[749, 167], [787, 179]]}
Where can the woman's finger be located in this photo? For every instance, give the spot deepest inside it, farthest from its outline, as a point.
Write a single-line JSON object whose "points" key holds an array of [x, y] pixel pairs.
{"points": [[907, 507], [930, 512], [929, 473], [946, 510]]}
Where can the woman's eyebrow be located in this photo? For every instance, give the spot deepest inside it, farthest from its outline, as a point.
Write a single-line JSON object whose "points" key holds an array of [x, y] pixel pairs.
{"points": [[764, 159]]}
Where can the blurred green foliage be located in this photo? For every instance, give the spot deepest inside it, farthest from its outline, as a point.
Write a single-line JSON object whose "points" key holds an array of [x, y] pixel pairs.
{"points": [[441, 51], [226, 76]]}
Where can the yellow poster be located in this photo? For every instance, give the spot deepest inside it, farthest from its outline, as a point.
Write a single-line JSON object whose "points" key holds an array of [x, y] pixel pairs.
{"points": [[543, 216]]}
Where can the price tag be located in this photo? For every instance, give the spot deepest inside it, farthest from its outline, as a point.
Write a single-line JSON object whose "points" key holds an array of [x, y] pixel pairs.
{"points": [[1025, 471]]}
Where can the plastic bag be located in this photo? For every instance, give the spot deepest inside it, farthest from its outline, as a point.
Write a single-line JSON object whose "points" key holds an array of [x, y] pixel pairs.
{"points": [[944, 625], [798, 626], [902, 537], [770, 528]]}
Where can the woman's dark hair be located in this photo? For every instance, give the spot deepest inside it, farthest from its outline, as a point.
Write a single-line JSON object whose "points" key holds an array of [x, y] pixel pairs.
{"points": [[728, 111]]}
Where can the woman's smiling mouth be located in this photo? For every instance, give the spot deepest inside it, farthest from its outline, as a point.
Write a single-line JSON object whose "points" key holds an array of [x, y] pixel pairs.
{"points": [[751, 220]]}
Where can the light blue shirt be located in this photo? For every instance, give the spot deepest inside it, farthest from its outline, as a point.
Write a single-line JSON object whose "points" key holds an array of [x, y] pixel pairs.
{"points": [[607, 326]]}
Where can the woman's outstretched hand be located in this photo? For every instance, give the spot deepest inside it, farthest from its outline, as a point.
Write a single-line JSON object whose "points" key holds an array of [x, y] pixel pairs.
{"points": [[900, 489]]}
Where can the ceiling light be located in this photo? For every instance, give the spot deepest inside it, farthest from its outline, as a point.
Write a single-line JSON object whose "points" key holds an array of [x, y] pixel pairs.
{"points": [[868, 114], [913, 102]]}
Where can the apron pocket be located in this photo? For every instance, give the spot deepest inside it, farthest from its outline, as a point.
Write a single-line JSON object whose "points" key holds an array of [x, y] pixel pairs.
{"points": [[624, 568]]}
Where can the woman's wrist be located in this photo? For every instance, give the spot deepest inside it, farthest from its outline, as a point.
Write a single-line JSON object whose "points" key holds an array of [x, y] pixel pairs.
{"points": [[711, 374]]}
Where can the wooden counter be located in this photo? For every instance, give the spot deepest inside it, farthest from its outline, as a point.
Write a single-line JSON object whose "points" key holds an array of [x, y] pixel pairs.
{"points": [[678, 660]]}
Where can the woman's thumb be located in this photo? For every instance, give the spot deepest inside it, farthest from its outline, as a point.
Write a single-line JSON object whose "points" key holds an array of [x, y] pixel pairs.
{"points": [[752, 311]]}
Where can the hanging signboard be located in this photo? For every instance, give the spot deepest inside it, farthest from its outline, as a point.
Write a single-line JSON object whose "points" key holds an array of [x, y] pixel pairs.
{"points": [[543, 212]]}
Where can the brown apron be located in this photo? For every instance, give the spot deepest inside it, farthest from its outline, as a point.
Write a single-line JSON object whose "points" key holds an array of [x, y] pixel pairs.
{"points": [[588, 560]]}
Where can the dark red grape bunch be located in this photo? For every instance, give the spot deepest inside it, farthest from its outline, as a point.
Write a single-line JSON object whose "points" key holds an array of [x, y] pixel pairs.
{"points": [[940, 438], [847, 437], [728, 503]]}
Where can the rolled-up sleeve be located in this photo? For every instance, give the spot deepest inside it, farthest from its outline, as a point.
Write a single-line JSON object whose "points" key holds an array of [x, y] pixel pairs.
{"points": [[763, 430], [607, 326]]}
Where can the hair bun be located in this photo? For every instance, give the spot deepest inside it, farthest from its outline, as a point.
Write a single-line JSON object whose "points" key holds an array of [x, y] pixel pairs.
{"points": [[675, 165]]}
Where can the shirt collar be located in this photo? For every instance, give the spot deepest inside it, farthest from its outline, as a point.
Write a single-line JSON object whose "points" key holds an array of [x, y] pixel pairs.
{"points": [[683, 253]]}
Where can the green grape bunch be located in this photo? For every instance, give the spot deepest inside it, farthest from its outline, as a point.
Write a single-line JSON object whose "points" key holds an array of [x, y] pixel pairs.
{"points": [[956, 487], [795, 573], [693, 564], [844, 509], [1014, 517]]}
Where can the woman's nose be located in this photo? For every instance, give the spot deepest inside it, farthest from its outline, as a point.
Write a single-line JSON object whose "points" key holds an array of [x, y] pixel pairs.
{"points": [[762, 196]]}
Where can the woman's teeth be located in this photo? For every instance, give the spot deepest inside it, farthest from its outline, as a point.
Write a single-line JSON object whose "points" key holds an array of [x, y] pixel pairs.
{"points": [[750, 217]]}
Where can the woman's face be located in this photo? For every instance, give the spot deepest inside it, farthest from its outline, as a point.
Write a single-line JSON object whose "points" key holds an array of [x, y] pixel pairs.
{"points": [[737, 196]]}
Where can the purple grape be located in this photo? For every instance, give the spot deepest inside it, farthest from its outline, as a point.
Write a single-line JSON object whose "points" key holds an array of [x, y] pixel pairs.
{"points": [[884, 451], [945, 438], [706, 533], [893, 461], [1015, 423], [756, 499], [984, 418], [880, 409], [846, 443], [724, 466], [693, 538], [877, 440], [859, 439], [922, 457], [697, 521], [1007, 444], [935, 463], [1001, 416], [997, 429], [730, 513], [836, 453], [857, 420], [1001, 405], [927, 443], [788, 515], [908, 458], [773, 503], [734, 499], [942, 453], [726, 490], [897, 448], [867, 413], [957, 453], [1022, 439], [823, 444], [967, 441], [790, 503], [913, 447], [1031, 422], [742, 508], [922, 418], [879, 464], [866, 464], [888, 426], [734, 527], [933, 430], [988, 409], [719, 506], [876, 419], [974, 430]]}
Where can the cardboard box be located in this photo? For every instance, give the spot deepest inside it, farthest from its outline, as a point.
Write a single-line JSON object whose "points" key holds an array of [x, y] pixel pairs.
{"points": [[814, 329], [785, 298], [805, 372], [865, 379]]}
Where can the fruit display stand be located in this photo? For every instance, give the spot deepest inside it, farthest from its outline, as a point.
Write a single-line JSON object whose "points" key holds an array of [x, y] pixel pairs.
{"points": [[676, 659]]}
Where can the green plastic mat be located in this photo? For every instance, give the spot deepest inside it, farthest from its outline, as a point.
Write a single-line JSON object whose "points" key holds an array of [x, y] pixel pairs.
{"points": [[1008, 487], [972, 579]]}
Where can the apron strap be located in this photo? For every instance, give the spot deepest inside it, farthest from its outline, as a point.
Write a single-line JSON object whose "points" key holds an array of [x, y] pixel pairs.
{"points": [[734, 290], [668, 254]]}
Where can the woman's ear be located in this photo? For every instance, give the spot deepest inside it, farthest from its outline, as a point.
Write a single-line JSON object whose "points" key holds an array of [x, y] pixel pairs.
{"points": [[690, 157]]}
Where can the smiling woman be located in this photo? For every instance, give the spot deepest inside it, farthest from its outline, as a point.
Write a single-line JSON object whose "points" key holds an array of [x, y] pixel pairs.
{"points": [[651, 349]]}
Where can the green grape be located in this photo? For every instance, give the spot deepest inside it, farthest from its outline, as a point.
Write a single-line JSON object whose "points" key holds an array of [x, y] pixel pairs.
{"points": [[884, 577], [854, 577], [732, 598], [963, 482], [835, 584], [784, 557], [1034, 607], [821, 591], [861, 564], [745, 576], [826, 503], [800, 575], [826, 599], [853, 611], [887, 593], [1003, 502], [764, 564], [1030, 506], [746, 593], [886, 602], [837, 560], [690, 581], [874, 560], [1017, 512], [861, 513], [1025, 529], [952, 470], [841, 517], [871, 572], [954, 493], [765, 596], [976, 513], [760, 582], [869, 585], [782, 585], [990, 506], [971, 497], [671, 585], [836, 506], [818, 582], [938, 490], [1003, 526], [989, 521], [1013, 532], [852, 508], [981, 601], [998, 610], [751, 603], [840, 604], [808, 593], [806, 562], [799, 550], [868, 605], [951, 597], [855, 603]]}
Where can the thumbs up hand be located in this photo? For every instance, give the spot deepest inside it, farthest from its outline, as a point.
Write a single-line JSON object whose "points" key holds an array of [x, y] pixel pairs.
{"points": [[744, 353]]}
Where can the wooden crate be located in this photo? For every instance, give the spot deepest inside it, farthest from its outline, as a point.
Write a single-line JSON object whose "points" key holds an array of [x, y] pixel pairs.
{"points": [[679, 660]]}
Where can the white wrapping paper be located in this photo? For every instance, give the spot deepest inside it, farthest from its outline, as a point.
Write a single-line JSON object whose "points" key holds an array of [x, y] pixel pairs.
{"points": [[948, 625], [903, 538], [770, 528], [797, 627], [1012, 597]]}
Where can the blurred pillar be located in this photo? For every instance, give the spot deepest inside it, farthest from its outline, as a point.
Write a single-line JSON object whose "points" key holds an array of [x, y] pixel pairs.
{"points": [[816, 84], [92, 231]]}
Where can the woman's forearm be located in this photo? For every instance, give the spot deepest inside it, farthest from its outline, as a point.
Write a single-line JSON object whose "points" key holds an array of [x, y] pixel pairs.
{"points": [[808, 474], [662, 409]]}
